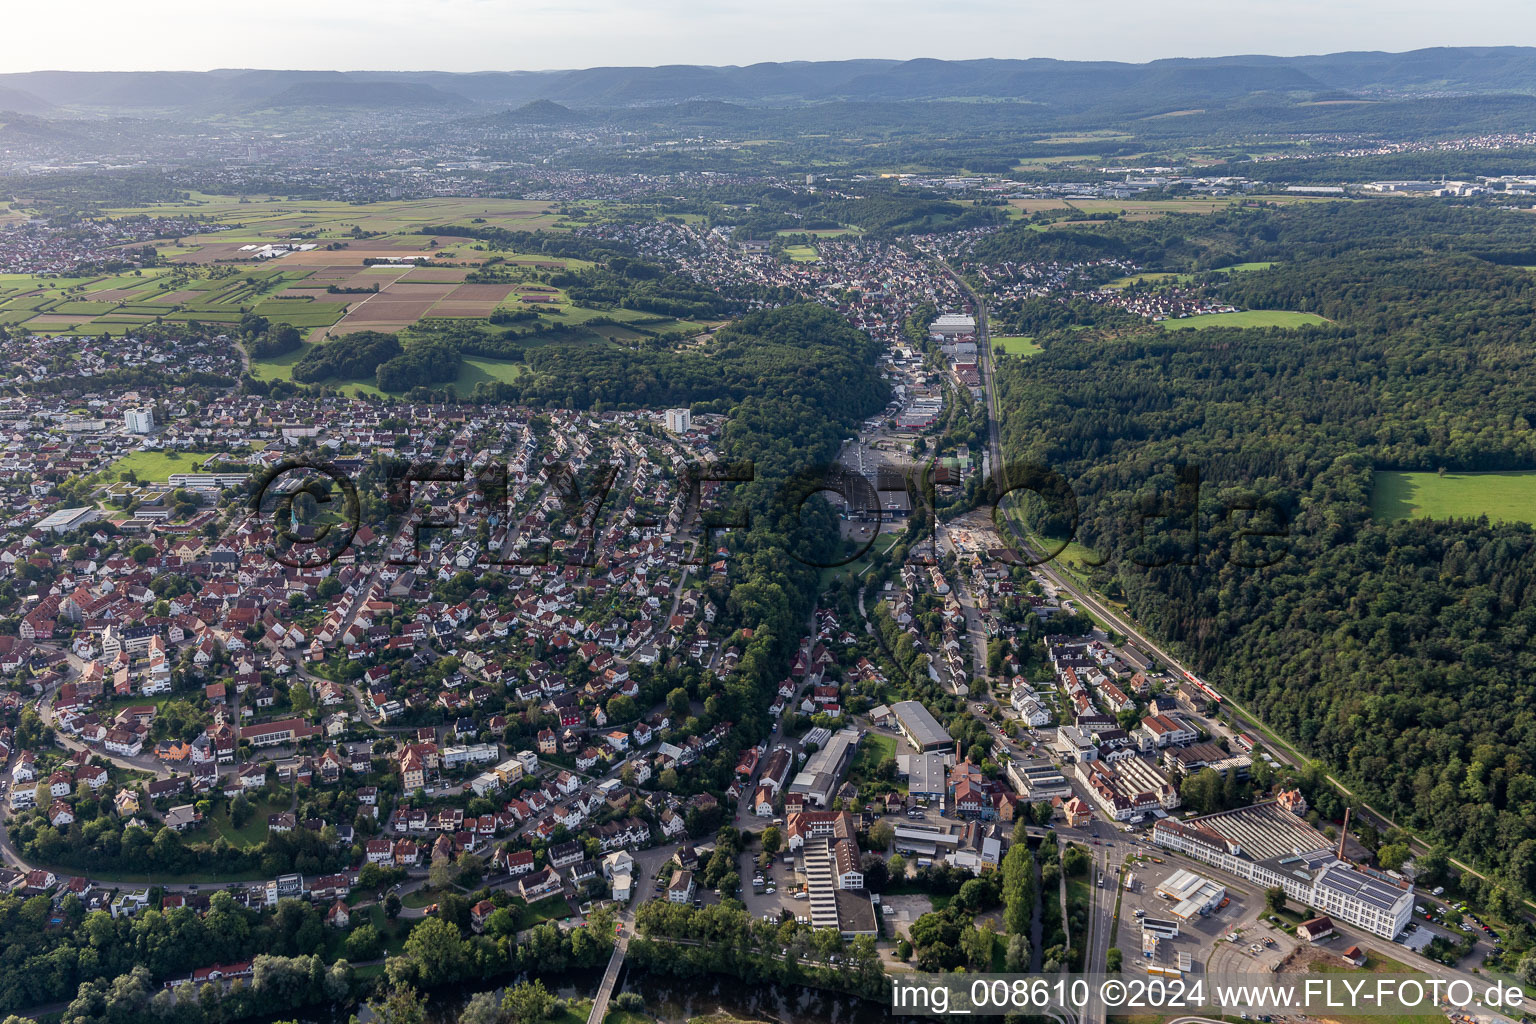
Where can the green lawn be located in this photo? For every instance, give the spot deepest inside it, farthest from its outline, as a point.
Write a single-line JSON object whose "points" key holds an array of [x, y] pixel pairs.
{"points": [[277, 367], [822, 232], [1507, 497], [418, 898], [802, 253], [626, 1017], [1151, 276], [550, 908], [873, 749], [158, 466], [1246, 318], [475, 369], [254, 831], [1017, 346]]}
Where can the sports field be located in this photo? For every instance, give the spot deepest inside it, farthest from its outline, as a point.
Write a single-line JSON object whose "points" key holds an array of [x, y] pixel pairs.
{"points": [[1245, 318], [802, 253], [1017, 346], [1503, 497]]}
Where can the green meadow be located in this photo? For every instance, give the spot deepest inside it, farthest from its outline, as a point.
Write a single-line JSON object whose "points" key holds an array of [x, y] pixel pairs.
{"points": [[1017, 346], [1502, 497], [1245, 318]]}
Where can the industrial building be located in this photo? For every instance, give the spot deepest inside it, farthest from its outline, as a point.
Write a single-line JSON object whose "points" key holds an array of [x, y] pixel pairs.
{"points": [[1128, 788], [1269, 846], [817, 780], [834, 879], [953, 325], [925, 840], [1038, 780], [920, 728], [66, 519], [1191, 894], [925, 773]]}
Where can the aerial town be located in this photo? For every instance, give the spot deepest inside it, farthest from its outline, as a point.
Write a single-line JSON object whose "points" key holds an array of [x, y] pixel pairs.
{"points": [[716, 544]]}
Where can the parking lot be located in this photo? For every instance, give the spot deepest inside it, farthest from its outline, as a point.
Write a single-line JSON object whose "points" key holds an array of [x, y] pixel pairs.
{"points": [[783, 878], [1204, 938]]}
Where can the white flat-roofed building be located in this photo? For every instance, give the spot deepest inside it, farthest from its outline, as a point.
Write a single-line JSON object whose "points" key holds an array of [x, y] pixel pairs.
{"points": [[1268, 846], [207, 481], [1191, 894], [926, 774], [67, 519], [1038, 780], [953, 325]]}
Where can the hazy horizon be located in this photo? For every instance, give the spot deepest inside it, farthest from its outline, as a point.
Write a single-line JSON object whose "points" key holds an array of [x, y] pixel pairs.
{"points": [[492, 35]]}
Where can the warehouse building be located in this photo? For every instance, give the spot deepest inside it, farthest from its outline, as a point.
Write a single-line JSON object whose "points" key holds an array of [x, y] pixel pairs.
{"points": [[66, 519], [819, 777], [953, 325], [926, 774], [920, 728]]}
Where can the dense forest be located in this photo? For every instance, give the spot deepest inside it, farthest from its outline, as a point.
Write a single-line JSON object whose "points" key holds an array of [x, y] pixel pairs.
{"points": [[351, 356], [1398, 652], [798, 354]]}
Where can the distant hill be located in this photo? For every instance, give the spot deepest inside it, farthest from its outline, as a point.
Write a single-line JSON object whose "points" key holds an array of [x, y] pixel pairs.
{"points": [[1060, 86], [363, 94], [541, 112], [22, 102]]}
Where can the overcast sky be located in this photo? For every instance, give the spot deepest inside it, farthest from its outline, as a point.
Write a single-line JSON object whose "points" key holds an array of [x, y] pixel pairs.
{"points": [[502, 35]]}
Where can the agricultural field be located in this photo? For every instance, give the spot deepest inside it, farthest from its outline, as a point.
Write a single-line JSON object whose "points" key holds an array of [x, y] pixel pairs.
{"points": [[294, 289], [359, 272], [1245, 318], [1017, 346], [265, 219], [1502, 497], [116, 304], [1026, 206], [1035, 163]]}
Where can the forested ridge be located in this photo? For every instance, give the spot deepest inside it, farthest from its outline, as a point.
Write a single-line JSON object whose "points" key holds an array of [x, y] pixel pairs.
{"points": [[1397, 652], [802, 352], [1240, 234]]}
